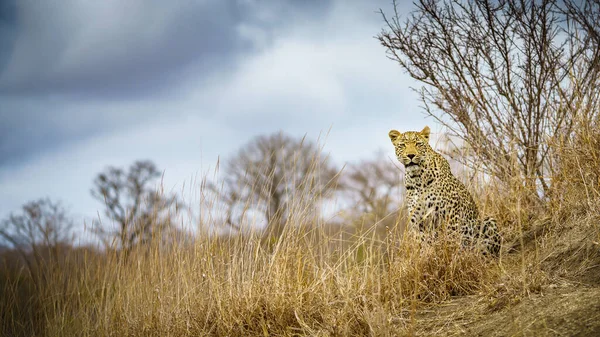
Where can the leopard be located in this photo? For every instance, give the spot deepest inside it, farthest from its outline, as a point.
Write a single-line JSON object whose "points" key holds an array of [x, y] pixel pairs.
{"points": [[436, 198]]}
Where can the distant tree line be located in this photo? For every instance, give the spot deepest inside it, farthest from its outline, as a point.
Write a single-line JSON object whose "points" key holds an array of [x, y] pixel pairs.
{"points": [[271, 179]]}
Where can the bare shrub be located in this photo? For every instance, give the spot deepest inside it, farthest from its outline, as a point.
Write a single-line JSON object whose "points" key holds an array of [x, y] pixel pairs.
{"points": [[508, 77], [38, 232], [275, 176], [373, 187], [132, 201]]}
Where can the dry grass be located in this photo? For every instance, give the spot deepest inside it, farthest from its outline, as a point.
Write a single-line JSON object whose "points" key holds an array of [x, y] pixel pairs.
{"points": [[318, 282], [237, 287]]}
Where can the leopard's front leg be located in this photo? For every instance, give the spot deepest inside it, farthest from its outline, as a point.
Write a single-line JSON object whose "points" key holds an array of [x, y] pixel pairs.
{"points": [[415, 211]]}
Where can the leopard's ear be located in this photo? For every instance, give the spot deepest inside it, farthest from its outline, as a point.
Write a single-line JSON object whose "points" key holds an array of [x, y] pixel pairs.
{"points": [[425, 132], [394, 134]]}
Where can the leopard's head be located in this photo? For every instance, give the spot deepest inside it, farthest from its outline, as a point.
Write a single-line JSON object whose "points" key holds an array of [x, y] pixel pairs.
{"points": [[411, 148]]}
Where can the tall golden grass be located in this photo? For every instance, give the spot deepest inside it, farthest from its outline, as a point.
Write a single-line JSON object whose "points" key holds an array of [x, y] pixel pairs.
{"points": [[312, 281]]}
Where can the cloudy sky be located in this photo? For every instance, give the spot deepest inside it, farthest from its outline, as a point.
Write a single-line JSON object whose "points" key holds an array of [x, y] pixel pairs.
{"points": [[85, 84]]}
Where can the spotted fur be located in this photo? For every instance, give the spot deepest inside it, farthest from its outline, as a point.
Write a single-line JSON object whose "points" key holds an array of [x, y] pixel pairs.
{"points": [[435, 197]]}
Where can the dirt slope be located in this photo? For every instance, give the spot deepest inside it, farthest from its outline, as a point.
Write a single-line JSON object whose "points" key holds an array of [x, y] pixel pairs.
{"points": [[567, 304]]}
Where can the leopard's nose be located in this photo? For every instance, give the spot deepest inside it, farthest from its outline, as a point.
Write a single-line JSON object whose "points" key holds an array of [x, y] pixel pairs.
{"points": [[410, 156]]}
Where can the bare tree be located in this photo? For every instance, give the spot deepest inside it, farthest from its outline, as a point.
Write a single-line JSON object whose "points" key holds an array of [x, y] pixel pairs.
{"points": [[374, 190], [38, 231], [140, 210], [271, 175], [510, 77], [373, 186]]}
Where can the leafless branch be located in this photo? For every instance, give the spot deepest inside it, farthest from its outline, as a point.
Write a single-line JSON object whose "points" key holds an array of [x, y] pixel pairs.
{"points": [[511, 76]]}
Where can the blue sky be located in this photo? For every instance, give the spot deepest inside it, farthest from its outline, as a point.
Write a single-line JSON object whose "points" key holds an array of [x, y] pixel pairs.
{"points": [[87, 84]]}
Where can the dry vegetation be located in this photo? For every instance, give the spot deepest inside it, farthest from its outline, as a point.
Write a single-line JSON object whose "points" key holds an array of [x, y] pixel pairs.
{"points": [[365, 274], [318, 281]]}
